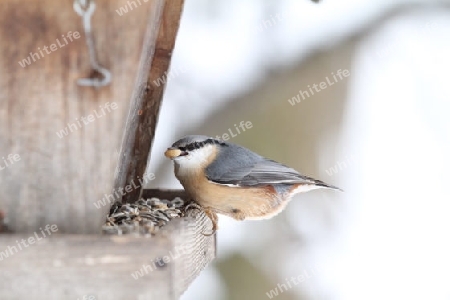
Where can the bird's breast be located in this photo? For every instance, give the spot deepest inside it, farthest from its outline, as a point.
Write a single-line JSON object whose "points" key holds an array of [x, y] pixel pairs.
{"points": [[237, 202]]}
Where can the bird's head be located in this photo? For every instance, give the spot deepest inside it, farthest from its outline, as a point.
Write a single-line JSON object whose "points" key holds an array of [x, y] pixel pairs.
{"points": [[194, 151]]}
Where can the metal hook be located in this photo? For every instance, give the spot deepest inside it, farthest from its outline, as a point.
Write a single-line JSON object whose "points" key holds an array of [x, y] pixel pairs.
{"points": [[85, 9], [104, 80]]}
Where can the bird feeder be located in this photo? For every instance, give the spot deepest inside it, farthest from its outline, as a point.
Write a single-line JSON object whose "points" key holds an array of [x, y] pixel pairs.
{"points": [[70, 99]]}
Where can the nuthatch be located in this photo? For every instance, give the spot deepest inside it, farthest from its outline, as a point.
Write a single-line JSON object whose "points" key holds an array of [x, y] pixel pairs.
{"points": [[231, 180]]}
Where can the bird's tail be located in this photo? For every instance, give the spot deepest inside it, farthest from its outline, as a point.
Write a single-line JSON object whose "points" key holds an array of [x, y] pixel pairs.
{"points": [[323, 184]]}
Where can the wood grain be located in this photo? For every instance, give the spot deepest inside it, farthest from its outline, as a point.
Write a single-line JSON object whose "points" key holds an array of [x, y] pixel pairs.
{"points": [[58, 180], [146, 101]]}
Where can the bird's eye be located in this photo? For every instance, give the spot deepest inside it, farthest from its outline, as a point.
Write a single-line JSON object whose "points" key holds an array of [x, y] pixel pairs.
{"points": [[191, 147], [183, 150]]}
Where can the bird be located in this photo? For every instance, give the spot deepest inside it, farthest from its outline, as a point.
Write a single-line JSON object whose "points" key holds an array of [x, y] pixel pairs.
{"points": [[228, 179]]}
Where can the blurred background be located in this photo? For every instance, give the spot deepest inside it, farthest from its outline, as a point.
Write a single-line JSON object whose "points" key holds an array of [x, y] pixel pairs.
{"points": [[381, 133]]}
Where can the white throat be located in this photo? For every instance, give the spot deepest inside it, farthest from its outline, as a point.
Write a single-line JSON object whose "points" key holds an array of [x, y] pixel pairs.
{"points": [[194, 161]]}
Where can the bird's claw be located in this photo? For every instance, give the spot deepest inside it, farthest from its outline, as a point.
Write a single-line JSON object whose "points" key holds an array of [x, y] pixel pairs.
{"points": [[214, 219]]}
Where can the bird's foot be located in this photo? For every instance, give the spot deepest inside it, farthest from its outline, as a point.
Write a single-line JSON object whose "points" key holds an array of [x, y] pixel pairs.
{"points": [[214, 219]]}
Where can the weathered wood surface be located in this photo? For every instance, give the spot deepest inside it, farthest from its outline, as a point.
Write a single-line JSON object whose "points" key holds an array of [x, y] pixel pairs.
{"points": [[76, 266], [57, 180], [146, 101]]}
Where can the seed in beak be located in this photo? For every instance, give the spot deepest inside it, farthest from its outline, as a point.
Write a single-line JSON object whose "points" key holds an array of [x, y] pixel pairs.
{"points": [[172, 152]]}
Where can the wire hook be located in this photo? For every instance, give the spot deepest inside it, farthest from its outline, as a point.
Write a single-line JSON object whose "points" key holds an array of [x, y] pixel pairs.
{"points": [[85, 9]]}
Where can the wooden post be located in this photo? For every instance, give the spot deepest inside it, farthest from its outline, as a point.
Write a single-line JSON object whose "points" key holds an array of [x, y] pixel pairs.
{"points": [[146, 100]]}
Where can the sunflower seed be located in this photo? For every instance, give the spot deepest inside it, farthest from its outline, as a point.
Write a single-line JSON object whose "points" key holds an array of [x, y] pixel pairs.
{"points": [[145, 217]]}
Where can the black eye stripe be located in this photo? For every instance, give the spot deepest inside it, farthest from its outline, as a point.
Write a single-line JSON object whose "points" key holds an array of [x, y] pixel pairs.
{"points": [[190, 147], [197, 145]]}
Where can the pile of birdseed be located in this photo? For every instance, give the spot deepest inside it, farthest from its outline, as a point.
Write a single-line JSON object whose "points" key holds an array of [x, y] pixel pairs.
{"points": [[145, 217]]}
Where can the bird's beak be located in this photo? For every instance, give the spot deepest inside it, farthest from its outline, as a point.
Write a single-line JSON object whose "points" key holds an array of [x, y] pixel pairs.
{"points": [[172, 152]]}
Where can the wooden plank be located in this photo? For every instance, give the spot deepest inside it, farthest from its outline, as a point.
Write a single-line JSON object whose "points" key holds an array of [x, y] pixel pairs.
{"points": [[62, 266], [164, 194], [192, 236], [146, 101], [57, 180]]}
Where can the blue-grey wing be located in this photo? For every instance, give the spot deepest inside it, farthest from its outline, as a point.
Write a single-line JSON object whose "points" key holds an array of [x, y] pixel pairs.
{"points": [[239, 166]]}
